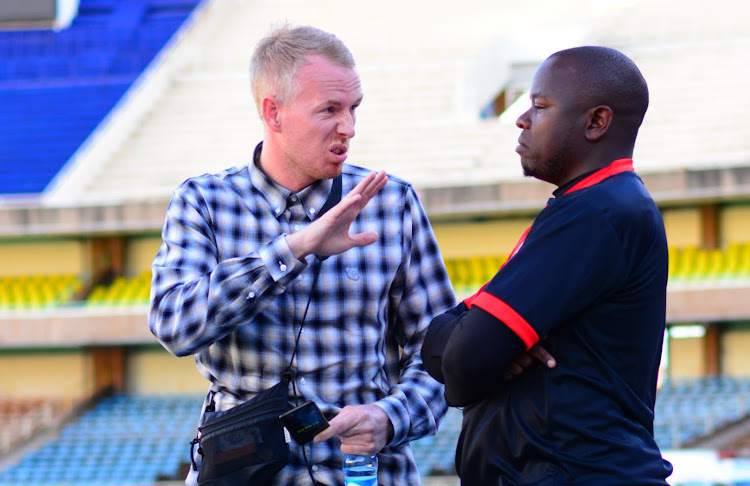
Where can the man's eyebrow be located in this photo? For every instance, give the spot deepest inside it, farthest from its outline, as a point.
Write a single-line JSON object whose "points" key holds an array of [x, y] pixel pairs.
{"points": [[336, 102], [538, 95]]}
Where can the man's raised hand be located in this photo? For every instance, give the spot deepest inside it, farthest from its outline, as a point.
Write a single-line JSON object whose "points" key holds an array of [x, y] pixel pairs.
{"points": [[329, 235]]}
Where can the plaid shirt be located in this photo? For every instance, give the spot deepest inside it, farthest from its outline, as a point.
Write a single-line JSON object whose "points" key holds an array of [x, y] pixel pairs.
{"points": [[227, 289]]}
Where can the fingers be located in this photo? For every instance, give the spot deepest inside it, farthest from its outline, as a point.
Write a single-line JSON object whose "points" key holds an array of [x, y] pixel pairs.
{"points": [[541, 354], [364, 239], [526, 359], [512, 370], [370, 185], [377, 183], [338, 425], [363, 429], [364, 191]]}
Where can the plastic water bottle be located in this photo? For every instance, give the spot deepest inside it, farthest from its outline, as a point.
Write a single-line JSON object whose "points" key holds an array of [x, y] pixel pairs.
{"points": [[360, 470]]}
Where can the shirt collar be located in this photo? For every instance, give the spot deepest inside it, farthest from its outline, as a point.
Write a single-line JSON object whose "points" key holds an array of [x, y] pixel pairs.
{"points": [[312, 197], [564, 188], [596, 176]]}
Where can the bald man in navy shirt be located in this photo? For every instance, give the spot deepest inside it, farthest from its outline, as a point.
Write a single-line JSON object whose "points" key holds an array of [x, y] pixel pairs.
{"points": [[589, 277]]}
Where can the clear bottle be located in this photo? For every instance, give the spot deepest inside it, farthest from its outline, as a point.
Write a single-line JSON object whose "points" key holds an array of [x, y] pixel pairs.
{"points": [[360, 470]]}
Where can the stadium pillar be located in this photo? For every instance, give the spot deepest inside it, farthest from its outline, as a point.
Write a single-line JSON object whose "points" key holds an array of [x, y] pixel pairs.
{"points": [[108, 368], [711, 355], [106, 262], [710, 240], [710, 226]]}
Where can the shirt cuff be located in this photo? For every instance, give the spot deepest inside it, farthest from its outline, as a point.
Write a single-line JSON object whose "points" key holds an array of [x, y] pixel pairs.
{"points": [[279, 259], [399, 418]]}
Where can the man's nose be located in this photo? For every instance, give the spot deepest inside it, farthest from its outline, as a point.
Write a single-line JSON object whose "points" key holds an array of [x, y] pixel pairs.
{"points": [[523, 120], [346, 125]]}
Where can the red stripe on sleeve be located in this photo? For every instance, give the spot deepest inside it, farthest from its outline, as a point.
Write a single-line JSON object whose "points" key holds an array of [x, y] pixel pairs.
{"points": [[469, 301], [503, 312]]}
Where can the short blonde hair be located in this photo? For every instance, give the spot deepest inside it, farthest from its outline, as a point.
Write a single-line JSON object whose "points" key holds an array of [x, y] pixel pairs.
{"points": [[282, 53]]}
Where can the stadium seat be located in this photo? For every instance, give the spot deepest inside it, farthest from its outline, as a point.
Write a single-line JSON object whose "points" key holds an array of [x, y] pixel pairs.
{"points": [[687, 264], [37, 291], [124, 439], [689, 408], [57, 86], [122, 291]]}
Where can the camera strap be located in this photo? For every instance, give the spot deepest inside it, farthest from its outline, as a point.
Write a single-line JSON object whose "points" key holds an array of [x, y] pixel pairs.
{"points": [[333, 198]]}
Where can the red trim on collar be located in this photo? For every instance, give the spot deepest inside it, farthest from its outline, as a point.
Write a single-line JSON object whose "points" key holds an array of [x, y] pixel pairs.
{"points": [[619, 165], [616, 167]]}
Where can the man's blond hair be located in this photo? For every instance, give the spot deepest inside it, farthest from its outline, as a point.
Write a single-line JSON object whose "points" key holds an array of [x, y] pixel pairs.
{"points": [[282, 53]]}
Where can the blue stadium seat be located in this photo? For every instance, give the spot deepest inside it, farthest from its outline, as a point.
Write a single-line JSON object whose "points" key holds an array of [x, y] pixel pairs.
{"points": [[101, 447], [687, 409], [56, 87]]}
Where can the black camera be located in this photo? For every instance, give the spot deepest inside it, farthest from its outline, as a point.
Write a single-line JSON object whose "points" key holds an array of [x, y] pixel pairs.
{"points": [[304, 422]]}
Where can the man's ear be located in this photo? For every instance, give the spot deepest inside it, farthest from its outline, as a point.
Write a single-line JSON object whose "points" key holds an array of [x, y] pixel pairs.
{"points": [[599, 121], [270, 112]]}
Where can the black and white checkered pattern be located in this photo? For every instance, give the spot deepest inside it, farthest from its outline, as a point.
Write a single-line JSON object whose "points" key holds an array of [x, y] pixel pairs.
{"points": [[227, 289]]}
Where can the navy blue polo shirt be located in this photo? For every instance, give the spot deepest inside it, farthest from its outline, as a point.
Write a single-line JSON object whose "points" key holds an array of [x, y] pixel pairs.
{"points": [[590, 279]]}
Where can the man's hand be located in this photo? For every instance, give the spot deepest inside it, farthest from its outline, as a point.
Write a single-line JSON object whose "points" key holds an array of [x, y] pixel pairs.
{"points": [[329, 235], [363, 429], [527, 358]]}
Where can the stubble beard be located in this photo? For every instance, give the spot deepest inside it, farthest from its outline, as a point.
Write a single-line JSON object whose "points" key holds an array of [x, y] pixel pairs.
{"points": [[554, 168]]}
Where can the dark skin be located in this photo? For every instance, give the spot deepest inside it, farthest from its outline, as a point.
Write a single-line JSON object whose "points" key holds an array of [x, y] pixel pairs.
{"points": [[567, 132], [563, 137], [573, 139]]}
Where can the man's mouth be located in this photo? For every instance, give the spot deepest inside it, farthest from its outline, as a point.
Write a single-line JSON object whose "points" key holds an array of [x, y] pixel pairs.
{"points": [[339, 150]]}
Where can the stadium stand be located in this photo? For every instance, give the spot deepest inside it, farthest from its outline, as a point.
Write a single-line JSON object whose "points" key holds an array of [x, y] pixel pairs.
{"points": [[57, 86], [691, 408], [688, 265], [122, 291], [21, 418], [122, 440], [137, 439], [37, 291], [435, 455], [132, 98]]}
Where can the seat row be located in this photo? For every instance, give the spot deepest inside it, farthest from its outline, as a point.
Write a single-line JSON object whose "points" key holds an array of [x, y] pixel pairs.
{"points": [[689, 408], [115, 443], [467, 274], [686, 264], [128, 438]]}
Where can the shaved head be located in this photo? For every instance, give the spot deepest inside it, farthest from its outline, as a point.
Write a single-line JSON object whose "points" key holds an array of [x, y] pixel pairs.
{"points": [[588, 104], [608, 77]]}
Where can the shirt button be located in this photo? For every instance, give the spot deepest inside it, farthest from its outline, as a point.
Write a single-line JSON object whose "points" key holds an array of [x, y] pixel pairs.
{"points": [[314, 467], [251, 295], [293, 198], [278, 210], [282, 267], [312, 210], [296, 227], [302, 381]]}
